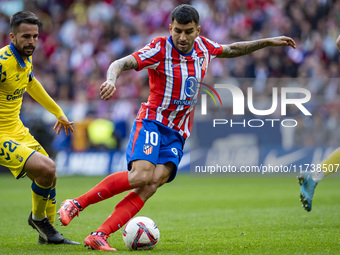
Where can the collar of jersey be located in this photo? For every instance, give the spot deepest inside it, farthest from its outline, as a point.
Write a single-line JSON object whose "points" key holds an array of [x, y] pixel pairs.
{"points": [[17, 56], [187, 55]]}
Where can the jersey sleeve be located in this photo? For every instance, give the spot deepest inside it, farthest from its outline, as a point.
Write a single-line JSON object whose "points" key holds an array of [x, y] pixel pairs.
{"points": [[39, 94], [214, 48], [151, 55]]}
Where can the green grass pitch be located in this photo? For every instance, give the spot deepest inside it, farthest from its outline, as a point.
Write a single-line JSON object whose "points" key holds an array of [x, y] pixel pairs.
{"points": [[194, 215]]}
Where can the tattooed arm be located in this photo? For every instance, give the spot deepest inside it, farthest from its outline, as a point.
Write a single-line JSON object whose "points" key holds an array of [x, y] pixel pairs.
{"points": [[108, 88], [242, 48]]}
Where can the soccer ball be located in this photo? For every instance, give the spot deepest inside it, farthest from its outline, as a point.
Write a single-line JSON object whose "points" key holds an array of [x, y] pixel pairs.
{"points": [[141, 233]]}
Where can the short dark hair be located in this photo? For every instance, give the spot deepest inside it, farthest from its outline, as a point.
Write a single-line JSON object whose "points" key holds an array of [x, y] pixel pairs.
{"points": [[184, 14], [23, 17]]}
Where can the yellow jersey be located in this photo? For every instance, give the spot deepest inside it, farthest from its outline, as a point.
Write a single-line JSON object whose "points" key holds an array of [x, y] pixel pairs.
{"points": [[16, 77]]}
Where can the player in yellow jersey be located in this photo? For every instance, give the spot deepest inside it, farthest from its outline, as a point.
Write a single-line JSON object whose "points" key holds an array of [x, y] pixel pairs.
{"points": [[309, 180], [19, 151]]}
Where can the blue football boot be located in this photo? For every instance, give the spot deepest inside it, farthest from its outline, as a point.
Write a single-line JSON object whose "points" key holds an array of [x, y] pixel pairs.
{"points": [[307, 187]]}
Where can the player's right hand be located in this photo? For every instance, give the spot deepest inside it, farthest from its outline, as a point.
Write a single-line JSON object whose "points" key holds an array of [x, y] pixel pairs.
{"points": [[63, 122], [107, 89], [282, 41]]}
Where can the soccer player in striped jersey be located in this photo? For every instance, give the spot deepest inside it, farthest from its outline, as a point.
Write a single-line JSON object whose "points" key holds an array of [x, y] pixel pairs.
{"points": [[309, 180], [176, 66], [19, 151]]}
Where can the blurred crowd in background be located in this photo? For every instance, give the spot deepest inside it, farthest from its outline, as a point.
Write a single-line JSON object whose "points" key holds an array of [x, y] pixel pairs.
{"points": [[80, 38]]}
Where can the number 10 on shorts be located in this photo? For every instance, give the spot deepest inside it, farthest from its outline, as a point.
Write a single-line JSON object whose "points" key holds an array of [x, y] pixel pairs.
{"points": [[151, 138]]}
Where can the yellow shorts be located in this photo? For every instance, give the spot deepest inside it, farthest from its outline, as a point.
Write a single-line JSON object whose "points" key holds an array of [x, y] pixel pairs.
{"points": [[15, 150]]}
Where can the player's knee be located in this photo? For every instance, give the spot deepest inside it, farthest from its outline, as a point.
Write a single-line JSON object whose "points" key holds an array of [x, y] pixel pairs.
{"points": [[49, 169], [144, 178]]}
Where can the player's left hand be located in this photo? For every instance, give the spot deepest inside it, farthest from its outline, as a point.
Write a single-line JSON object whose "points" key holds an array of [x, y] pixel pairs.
{"points": [[63, 122], [282, 41]]}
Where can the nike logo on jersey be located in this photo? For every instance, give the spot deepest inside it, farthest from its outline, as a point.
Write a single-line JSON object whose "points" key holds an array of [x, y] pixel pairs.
{"points": [[99, 195], [175, 65]]}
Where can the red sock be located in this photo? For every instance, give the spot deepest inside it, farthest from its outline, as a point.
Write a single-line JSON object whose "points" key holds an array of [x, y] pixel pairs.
{"points": [[112, 185], [128, 207]]}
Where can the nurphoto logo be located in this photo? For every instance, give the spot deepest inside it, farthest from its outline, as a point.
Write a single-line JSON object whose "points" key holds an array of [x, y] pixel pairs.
{"points": [[240, 102]]}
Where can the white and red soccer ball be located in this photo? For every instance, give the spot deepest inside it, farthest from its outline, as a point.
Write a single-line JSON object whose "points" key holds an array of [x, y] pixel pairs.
{"points": [[141, 233]]}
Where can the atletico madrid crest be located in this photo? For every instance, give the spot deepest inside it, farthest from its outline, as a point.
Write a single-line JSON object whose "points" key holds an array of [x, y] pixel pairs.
{"points": [[203, 63], [147, 149]]}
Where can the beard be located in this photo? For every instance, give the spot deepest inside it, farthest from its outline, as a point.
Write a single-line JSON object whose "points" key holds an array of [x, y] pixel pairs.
{"points": [[25, 51]]}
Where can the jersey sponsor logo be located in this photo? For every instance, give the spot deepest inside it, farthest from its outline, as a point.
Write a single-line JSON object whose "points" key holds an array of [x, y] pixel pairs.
{"points": [[185, 102], [147, 149], [18, 93], [191, 87]]}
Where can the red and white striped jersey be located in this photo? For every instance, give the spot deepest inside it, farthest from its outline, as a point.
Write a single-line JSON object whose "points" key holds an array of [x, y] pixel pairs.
{"points": [[175, 80]]}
